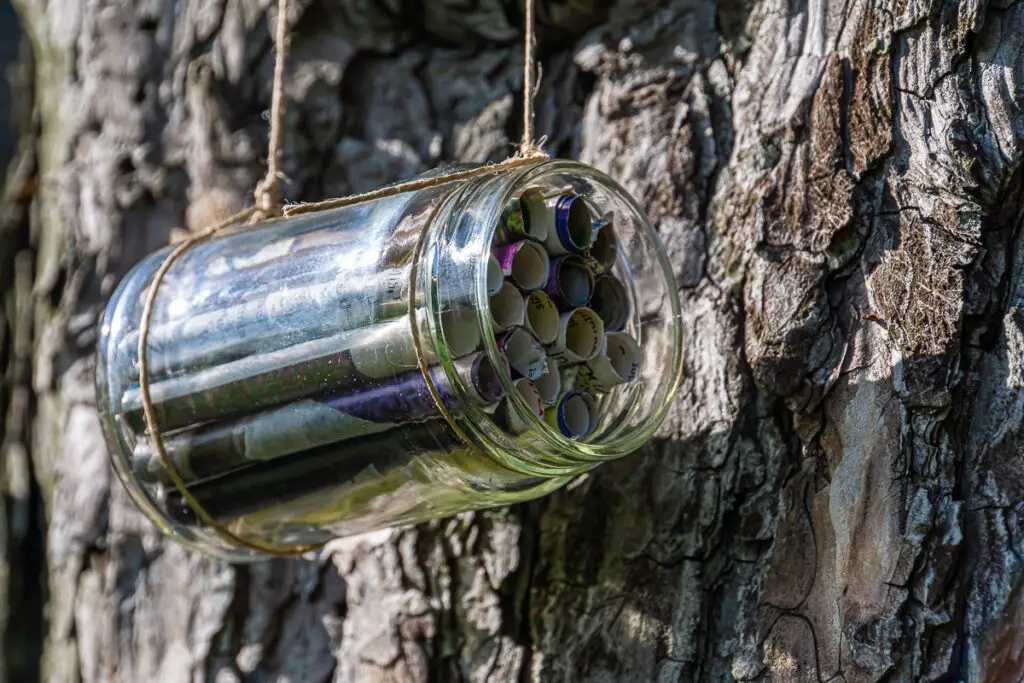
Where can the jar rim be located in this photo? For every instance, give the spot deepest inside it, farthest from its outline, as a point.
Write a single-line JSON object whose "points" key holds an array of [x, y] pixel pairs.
{"points": [[559, 455]]}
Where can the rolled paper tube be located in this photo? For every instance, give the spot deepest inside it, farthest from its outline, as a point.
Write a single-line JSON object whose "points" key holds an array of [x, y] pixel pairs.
{"points": [[524, 354], [261, 486], [507, 307], [509, 417], [580, 337], [220, 447], [541, 317], [525, 263], [574, 228], [529, 217], [495, 278], [618, 363], [604, 250], [611, 302], [314, 367], [571, 283], [275, 320], [575, 415], [549, 385], [386, 349]]}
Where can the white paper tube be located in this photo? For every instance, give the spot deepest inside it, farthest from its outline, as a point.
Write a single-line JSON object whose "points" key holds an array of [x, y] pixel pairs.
{"points": [[529, 217], [617, 364], [525, 263], [611, 302], [507, 307], [538, 217], [574, 228], [549, 385], [541, 317], [580, 337], [385, 349], [575, 416], [495, 278], [510, 417], [524, 354]]}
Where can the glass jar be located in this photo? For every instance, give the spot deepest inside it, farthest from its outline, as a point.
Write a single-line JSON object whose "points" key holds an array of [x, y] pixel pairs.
{"points": [[394, 361]]}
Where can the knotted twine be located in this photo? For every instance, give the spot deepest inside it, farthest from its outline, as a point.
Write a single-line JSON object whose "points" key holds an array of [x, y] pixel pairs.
{"points": [[268, 205]]}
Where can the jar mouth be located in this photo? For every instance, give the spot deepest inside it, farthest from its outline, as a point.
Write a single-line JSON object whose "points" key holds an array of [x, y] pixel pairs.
{"points": [[468, 222]]}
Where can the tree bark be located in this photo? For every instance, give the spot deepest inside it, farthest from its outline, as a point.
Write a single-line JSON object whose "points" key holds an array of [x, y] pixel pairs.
{"points": [[838, 494]]}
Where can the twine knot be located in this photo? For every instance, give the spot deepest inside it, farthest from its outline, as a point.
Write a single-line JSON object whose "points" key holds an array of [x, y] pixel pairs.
{"points": [[268, 199]]}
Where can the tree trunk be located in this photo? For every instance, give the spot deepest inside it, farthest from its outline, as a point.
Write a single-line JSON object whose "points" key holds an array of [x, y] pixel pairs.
{"points": [[838, 494]]}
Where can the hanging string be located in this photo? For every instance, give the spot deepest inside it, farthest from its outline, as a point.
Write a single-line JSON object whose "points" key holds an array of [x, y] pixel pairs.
{"points": [[267, 205], [528, 146], [268, 191]]}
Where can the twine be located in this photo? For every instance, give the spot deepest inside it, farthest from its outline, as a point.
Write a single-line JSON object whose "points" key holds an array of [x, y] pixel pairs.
{"points": [[268, 191], [267, 205]]}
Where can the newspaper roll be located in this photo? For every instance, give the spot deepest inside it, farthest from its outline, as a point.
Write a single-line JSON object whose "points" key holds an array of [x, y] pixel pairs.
{"points": [[549, 385], [618, 363], [495, 278], [283, 317], [611, 302], [529, 217], [541, 317], [508, 309], [508, 416], [580, 337], [574, 228], [523, 353], [314, 367], [221, 447], [570, 284], [576, 415], [524, 263]]}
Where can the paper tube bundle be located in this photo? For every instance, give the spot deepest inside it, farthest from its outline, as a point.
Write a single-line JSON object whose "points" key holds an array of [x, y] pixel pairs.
{"points": [[389, 362]]}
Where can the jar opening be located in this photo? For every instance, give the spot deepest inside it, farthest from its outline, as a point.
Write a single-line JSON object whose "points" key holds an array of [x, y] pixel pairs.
{"points": [[607, 318]]}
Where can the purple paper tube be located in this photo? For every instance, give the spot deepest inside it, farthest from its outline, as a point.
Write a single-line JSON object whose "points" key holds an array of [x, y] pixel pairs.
{"points": [[570, 283]]}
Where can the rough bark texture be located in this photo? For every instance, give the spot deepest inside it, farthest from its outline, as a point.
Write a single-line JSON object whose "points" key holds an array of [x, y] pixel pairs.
{"points": [[839, 492]]}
